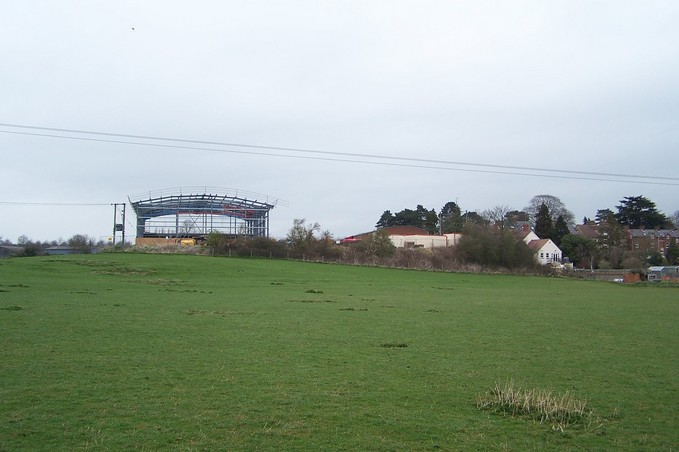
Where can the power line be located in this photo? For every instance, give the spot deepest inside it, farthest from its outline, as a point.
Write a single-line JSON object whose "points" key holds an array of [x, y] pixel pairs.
{"points": [[315, 151], [23, 203], [306, 157], [344, 154]]}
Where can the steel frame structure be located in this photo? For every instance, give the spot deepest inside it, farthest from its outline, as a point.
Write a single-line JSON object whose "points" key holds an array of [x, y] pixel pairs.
{"points": [[197, 211]]}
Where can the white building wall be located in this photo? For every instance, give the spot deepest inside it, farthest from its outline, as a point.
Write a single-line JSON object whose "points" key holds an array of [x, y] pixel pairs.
{"points": [[549, 253], [453, 239], [418, 241], [425, 241]]}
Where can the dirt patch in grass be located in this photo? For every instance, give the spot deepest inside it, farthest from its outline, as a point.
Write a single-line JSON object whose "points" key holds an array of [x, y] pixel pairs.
{"points": [[205, 313], [312, 301], [12, 308], [166, 282], [84, 262], [124, 271], [186, 291], [393, 345], [18, 286]]}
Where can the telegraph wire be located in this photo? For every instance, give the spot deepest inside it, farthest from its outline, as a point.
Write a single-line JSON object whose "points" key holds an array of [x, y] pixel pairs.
{"points": [[344, 160], [315, 151], [306, 157], [22, 203]]}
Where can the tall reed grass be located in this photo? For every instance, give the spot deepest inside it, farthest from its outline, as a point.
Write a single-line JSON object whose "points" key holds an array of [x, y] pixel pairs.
{"points": [[558, 410]]}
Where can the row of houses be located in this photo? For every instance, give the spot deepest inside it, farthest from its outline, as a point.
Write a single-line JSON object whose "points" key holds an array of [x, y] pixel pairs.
{"points": [[643, 240]]}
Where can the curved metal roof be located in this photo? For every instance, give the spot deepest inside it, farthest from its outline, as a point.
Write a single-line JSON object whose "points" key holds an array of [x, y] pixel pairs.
{"points": [[202, 196]]}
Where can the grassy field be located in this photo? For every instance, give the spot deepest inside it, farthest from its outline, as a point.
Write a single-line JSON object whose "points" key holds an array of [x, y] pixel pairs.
{"points": [[184, 352]]}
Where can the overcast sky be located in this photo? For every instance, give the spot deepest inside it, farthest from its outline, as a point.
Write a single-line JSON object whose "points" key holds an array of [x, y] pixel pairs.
{"points": [[583, 86]]}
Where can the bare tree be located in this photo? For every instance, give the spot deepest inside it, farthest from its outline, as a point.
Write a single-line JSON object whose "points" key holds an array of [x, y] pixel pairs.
{"points": [[497, 216], [674, 218], [186, 227], [82, 243], [301, 235]]}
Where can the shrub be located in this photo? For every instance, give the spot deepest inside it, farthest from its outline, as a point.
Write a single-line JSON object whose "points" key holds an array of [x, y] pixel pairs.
{"points": [[377, 244], [491, 247], [222, 245], [632, 262]]}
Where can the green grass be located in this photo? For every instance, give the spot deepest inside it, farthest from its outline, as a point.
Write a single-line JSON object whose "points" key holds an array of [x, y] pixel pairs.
{"points": [[186, 352]]}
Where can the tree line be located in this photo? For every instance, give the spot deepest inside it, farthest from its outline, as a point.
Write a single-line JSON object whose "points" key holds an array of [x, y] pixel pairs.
{"points": [[81, 243], [488, 238]]}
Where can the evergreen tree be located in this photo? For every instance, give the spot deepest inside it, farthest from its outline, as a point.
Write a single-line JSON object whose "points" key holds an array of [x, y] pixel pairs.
{"points": [[560, 230], [451, 218], [638, 211], [543, 222], [604, 216], [387, 219], [420, 217]]}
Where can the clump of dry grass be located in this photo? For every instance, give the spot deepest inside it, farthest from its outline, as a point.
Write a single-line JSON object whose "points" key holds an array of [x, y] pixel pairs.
{"points": [[559, 410]]}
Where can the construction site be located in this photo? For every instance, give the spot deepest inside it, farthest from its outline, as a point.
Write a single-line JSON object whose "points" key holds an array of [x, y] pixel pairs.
{"points": [[187, 215]]}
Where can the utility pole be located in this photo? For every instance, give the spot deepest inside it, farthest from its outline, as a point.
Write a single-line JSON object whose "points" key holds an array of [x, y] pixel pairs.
{"points": [[123, 228], [115, 223], [118, 226]]}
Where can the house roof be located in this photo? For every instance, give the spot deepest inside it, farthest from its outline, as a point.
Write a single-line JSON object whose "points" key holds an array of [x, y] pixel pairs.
{"points": [[405, 230], [591, 231], [521, 234], [662, 268], [638, 233], [12, 248], [391, 230], [536, 245]]}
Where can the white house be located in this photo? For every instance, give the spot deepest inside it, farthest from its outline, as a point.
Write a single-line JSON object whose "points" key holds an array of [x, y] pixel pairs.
{"points": [[546, 251]]}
